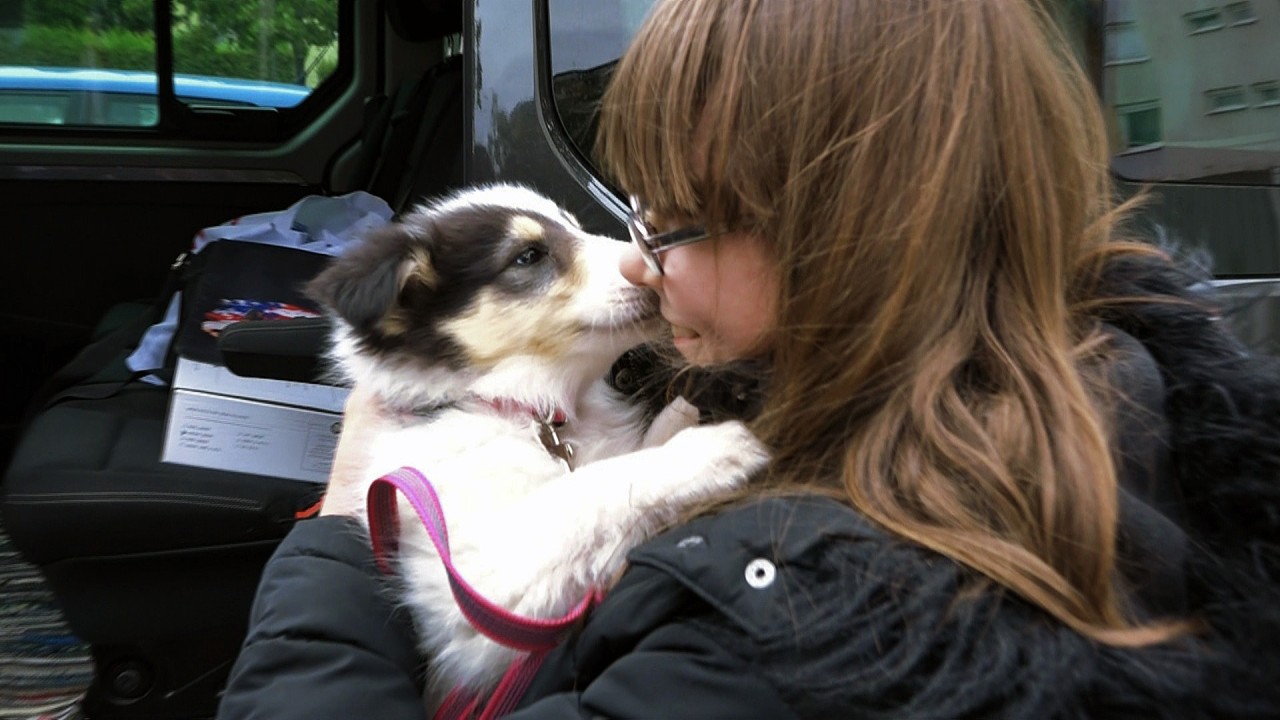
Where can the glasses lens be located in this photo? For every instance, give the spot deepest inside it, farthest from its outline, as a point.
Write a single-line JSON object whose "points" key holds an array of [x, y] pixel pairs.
{"points": [[641, 233]]}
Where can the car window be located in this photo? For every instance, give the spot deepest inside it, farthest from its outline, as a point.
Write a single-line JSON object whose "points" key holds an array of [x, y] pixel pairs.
{"points": [[275, 42], [1193, 90], [96, 62], [586, 39]]}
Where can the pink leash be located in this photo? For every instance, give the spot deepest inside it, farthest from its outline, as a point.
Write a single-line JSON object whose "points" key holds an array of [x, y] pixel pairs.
{"points": [[534, 636]]}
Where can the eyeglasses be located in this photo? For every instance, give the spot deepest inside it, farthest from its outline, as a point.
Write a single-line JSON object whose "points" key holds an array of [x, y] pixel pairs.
{"points": [[652, 243]]}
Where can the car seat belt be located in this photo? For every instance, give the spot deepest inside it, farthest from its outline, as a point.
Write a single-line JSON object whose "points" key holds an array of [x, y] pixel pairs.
{"points": [[446, 89], [405, 121]]}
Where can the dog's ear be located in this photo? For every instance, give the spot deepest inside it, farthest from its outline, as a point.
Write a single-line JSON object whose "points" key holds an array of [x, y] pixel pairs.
{"points": [[366, 287]]}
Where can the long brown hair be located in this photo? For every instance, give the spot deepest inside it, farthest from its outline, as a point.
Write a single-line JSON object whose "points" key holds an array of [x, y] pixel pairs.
{"points": [[932, 175]]}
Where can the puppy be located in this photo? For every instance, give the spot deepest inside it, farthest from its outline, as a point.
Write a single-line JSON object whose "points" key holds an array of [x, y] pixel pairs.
{"points": [[481, 319]]}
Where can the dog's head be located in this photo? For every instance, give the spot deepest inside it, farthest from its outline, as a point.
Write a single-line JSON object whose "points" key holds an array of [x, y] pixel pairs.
{"points": [[483, 279]]}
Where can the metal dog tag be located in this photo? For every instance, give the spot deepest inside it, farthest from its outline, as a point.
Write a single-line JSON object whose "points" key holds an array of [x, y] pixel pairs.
{"points": [[554, 445]]}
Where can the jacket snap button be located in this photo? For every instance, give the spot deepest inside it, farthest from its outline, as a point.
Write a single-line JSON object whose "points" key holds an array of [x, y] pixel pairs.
{"points": [[760, 573]]}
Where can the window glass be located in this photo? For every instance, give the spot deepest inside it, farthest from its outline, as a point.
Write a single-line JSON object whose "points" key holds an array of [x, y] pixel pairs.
{"points": [[1125, 44], [1241, 13], [586, 39], [1226, 99], [55, 56], [1267, 93], [1198, 122], [273, 48], [93, 62], [19, 106], [1202, 104], [1140, 123], [1205, 20]]}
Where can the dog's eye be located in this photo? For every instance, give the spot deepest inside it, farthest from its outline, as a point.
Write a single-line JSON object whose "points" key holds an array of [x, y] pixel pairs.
{"points": [[530, 256]]}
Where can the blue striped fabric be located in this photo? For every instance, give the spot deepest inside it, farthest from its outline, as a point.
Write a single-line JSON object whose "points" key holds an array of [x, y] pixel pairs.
{"points": [[44, 669]]}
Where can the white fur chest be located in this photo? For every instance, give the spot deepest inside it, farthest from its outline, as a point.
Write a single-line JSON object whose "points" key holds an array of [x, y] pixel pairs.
{"points": [[475, 460]]}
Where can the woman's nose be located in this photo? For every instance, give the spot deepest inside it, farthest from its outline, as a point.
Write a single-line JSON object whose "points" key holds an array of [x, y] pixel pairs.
{"points": [[634, 269]]}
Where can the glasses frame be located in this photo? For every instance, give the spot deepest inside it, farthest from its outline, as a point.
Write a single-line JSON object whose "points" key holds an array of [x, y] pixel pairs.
{"points": [[652, 244]]}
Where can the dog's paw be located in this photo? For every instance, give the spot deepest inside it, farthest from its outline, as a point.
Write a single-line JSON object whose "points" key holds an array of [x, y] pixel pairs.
{"points": [[727, 452]]}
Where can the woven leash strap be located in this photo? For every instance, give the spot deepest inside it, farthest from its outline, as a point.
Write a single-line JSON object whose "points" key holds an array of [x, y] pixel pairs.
{"points": [[462, 704], [535, 636]]}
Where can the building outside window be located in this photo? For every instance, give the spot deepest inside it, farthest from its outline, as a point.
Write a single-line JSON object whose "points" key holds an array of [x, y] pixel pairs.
{"points": [[1266, 94], [1226, 99], [1200, 21], [1241, 13], [1124, 44], [1139, 123]]}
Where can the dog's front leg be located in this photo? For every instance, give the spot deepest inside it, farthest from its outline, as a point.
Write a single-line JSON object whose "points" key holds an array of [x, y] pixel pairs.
{"points": [[573, 534]]}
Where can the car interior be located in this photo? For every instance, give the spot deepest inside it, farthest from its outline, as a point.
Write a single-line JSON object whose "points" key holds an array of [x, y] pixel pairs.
{"points": [[152, 565]]}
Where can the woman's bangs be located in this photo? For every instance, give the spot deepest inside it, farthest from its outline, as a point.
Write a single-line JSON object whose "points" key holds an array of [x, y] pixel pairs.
{"points": [[648, 139]]}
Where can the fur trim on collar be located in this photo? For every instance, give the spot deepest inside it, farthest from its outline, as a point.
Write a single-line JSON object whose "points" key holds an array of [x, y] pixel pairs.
{"points": [[1222, 405]]}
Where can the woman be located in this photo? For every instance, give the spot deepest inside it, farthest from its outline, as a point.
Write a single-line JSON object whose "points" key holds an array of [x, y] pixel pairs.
{"points": [[1019, 470]]}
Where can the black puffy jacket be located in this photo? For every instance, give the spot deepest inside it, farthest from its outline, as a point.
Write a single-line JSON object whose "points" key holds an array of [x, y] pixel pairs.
{"points": [[798, 607]]}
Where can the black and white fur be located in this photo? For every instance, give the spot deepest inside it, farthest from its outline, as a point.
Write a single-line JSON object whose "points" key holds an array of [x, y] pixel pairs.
{"points": [[496, 293]]}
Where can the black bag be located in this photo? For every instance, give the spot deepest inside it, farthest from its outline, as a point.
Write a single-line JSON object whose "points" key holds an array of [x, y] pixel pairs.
{"points": [[230, 281], [227, 280]]}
